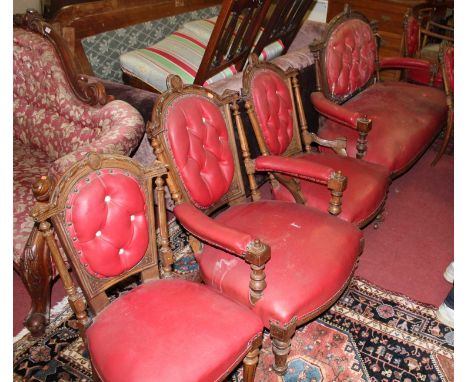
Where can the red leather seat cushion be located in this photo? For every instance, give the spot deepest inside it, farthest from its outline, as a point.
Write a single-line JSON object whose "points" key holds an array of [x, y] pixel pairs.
{"points": [[405, 117], [312, 256], [170, 330], [366, 191]]}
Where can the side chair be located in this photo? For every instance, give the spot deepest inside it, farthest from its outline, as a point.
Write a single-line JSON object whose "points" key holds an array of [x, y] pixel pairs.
{"points": [[273, 103], [102, 213], [286, 262]]}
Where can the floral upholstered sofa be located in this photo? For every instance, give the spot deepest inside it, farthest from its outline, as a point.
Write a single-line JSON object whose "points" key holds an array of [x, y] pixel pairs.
{"points": [[58, 116]]}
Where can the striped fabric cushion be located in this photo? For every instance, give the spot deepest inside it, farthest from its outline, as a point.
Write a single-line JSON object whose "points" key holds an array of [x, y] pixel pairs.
{"points": [[180, 53]]}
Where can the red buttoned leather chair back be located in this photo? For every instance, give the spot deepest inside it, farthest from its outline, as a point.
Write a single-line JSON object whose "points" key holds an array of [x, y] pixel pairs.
{"points": [[350, 58], [199, 142]]}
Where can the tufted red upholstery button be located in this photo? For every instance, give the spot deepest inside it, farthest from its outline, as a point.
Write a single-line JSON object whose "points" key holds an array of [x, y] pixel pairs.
{"points": [[107, 220], [198, 140], [350, 57], [272, 103]]}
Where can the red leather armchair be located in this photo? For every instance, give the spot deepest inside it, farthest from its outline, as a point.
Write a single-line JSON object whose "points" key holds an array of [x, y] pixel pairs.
{"points": [[272, 98], [388, 123], [285, 261], [161, 330]]}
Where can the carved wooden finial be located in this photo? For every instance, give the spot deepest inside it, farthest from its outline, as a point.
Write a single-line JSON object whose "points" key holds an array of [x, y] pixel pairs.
{"points": [[253, 59], [94, 160], [42, 188], [174, 82]]}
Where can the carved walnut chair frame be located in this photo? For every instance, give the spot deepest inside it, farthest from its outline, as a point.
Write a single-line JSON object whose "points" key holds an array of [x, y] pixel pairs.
{"points": [[53, 226]]}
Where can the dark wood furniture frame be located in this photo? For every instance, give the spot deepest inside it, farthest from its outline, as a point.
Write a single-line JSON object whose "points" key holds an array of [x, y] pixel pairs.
{"points": [[35, 267], [78, 21]]}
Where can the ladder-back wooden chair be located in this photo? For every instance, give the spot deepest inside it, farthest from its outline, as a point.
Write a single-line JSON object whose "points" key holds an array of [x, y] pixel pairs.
{"points": [[274, 105], [285, 261], [282, 23], [102, 211]]}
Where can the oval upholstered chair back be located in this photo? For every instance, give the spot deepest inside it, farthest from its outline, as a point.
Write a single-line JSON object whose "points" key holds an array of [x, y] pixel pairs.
{"points": [[102, 212], [348, 56], [268, 91], [195, 127]]}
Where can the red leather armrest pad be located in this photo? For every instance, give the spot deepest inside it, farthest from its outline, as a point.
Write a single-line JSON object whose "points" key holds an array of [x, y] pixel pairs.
{"points": [[333, 111], [210, 231], [296, 167], [404, 63]]}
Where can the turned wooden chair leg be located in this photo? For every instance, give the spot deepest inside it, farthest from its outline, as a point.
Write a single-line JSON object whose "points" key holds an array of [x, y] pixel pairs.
{"points": [[251, 361], [448, 134], [281, 336], [36, 273]]}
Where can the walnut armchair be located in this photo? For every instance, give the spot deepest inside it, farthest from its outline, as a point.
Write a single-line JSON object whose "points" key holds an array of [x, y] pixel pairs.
{"points": [[273, 103], [389, 123], [285, 261], [58, 116], [102, 212]]}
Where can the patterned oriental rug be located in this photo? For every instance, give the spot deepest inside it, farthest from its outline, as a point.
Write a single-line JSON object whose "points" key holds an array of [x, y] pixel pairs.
{"points": [[369, 335]]}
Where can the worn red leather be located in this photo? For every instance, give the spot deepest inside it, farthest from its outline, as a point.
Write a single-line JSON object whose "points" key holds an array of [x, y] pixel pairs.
{"points": [[405, 118], [405, 62], [333, 111], [198, 140], [211, 231], [312, 256], [273, 106], [350, 57], [450, 65], [107, 222], [177, 324], [418, 70], [365, 192], [309, 170], [412, 36]]}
